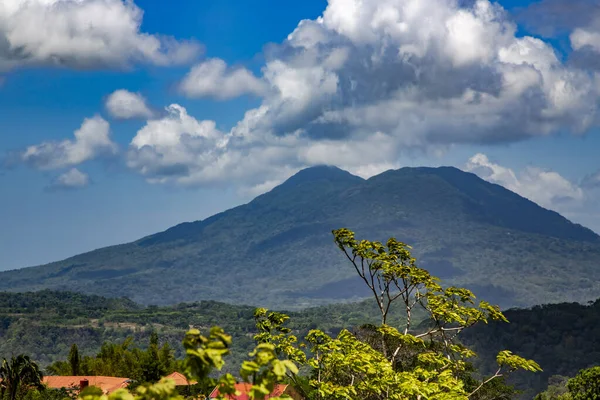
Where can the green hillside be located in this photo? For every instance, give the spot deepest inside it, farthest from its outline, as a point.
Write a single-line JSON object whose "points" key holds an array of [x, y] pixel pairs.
{"points": [[278, 251], [562, 338], [45, 324]]}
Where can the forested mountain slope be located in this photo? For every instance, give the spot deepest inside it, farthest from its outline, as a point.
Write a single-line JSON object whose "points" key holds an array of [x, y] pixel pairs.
{"points": [[45, 324], [278, 250], [562, 338]]}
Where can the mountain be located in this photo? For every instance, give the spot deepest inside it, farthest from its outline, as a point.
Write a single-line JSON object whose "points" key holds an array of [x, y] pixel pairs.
{"points": [[278, 250]]}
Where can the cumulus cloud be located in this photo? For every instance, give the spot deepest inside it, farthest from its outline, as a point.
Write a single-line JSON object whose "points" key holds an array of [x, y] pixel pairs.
{"points": [[82, 34], [174, 144], [463, 77], [181, 149], [92, 139], [123, 104], [72, 179], [213, 78], [578, 202], [178, 148], [547, 188], [368, 81], [586, 37], [580, 20]]}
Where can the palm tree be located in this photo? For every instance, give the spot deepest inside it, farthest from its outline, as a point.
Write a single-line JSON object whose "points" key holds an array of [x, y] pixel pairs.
{"points": [[19, 373]]}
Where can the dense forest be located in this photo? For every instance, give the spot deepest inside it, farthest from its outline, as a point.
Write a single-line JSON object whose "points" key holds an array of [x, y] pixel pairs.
{"points": [[563, 339], [413, 339], [560, 337], [45, 324]]}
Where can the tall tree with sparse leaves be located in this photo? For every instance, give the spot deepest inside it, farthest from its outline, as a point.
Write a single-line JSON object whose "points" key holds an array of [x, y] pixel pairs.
{"points": [[407, 362], [345, 367]]}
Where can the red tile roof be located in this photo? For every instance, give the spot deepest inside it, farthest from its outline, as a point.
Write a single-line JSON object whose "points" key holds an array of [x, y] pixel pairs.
{"points": [[180, 379], [108, 384], [244, 390]]}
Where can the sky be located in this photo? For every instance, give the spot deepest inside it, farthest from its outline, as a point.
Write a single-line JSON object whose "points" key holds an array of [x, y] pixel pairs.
{"points": [[119, 119]]}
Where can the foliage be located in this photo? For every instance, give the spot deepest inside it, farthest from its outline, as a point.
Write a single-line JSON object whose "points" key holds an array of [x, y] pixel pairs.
{"points": [[434, 364], [19, 375], [74, 360], [33, 324], [561, 337], [275, 250], [586, 385], [557, 389], [124, 360], [345, 367], [50, 394]]}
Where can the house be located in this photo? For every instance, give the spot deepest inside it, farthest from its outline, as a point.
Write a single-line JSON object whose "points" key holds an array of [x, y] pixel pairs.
{"points": [[180, 379], [107, 384], [243, 390]]}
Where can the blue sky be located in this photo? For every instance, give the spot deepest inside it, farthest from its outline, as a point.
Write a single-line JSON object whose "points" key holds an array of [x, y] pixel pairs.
{"points": [[508, 91]]}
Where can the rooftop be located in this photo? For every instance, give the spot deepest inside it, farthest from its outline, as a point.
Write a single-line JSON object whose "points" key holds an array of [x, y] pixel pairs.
{"points": [[108, 384], [180, 379]]}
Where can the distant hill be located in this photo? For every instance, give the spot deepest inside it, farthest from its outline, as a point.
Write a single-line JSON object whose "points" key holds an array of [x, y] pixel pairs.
{"points": [[45, 324], [562, 338], [278, 251]]}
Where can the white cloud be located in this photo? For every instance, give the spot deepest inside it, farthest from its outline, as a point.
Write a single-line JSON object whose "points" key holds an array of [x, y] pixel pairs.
{"points": [[174, 145], [371, 80], [180, 149], [463, 77], [72, 179], [213, 78], [578, 202], [91, 140], [588, 34], [123, 104], [582, 37], [546, 188], [251, 192], [82, 34]]}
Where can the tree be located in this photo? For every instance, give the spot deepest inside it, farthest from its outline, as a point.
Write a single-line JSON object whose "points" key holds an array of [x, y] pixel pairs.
{"points": [[405, 362], [151, 366], [557, 389], [586, 385], [61, 368], [20, 374], [74, 360], [434, 364], [168, 363]]}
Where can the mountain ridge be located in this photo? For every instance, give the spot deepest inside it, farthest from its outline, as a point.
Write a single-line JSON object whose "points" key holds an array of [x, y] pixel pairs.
{"points": [[278, 248]]}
